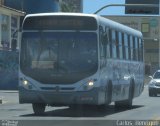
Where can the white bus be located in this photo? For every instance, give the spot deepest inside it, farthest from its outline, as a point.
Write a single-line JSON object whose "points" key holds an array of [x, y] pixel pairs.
{"points": [[70, 59]]}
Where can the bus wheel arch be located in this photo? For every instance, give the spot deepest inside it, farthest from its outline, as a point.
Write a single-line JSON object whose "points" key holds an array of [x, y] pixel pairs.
{"points": [[131, 94], [127, 103], [132, 88], [108, 95]]}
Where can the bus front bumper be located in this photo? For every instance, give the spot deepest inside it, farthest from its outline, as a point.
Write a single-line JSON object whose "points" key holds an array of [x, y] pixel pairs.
{"points": [[92, 97]]}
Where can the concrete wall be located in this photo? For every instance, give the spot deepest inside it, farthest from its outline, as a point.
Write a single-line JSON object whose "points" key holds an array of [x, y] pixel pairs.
{"points": [[8, 70]]}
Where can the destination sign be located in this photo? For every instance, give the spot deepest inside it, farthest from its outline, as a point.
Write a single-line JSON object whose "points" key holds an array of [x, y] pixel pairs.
{"points": [[60, 23]]}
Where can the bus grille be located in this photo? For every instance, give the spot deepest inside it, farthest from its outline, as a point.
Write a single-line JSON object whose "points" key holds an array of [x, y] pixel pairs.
{"points": [[58, 88]]}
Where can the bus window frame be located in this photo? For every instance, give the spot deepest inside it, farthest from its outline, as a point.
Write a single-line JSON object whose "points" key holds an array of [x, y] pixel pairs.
{"points": [[120, 45], [110, 42], [126, 46], [114, 48], [117, 45]]}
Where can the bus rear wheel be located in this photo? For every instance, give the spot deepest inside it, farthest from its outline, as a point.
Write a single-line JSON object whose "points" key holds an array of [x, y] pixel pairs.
{"points": [[126, 103], [38, 108]]}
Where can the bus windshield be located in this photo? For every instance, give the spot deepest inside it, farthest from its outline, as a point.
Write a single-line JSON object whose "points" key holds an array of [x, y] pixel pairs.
{"points": [[59, 57]]}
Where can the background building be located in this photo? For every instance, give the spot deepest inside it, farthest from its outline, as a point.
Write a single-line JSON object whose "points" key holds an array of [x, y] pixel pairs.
{"points": [[71, 5], [33, 6], [42, 6], [9, 23], [142, 10]]}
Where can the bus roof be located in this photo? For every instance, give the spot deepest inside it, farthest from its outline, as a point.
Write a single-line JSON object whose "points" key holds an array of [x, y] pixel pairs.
{"points": [[120, 27], [108, 22], [132, 15]]}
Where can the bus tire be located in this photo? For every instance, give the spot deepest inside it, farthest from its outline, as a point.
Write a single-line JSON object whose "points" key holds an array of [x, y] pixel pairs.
{"points": [[131, 95], [74, 106], [38, 108], [126, 103], [109, 93], [108, 96]]}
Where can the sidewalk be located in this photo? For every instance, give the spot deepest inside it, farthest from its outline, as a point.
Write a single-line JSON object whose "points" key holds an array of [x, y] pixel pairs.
{"points": [[8, 96], [8, 91]]}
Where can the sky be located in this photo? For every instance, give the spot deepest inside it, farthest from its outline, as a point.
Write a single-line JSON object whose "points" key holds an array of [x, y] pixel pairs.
{"points": [[91, 6]]}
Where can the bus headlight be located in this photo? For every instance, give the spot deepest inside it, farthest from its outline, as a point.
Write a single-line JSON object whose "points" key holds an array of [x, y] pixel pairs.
{"points": [[26, 84], [89, 85]]}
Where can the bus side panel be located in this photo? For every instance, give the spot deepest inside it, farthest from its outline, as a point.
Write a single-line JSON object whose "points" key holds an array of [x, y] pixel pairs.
{"points": [[120, 73]]}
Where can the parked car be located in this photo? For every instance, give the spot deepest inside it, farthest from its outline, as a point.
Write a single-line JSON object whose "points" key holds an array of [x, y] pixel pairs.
{"points": [[154, 84]]}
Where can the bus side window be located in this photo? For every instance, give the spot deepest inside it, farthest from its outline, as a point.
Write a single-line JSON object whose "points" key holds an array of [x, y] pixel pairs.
{"points": [[131, 47], [114, 54], [117, 45], [136, 48], [126, 45], [141, 49], [120, 45], [123, 47], [142, 46], [110, 42], [103, 42]]}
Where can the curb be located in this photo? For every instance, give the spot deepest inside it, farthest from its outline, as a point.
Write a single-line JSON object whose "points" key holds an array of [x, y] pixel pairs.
{"points": [[7, 91]]}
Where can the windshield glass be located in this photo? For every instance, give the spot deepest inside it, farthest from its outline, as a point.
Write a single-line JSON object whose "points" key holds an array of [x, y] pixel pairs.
{"points": [[156, 75], [51, 57]]}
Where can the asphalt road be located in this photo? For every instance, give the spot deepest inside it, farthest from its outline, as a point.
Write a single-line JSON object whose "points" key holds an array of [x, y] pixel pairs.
{"points": [[13, 113]]}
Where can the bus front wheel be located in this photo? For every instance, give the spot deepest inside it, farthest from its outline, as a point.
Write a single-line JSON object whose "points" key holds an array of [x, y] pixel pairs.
{"points": [[38, 108], [108, 97]]}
